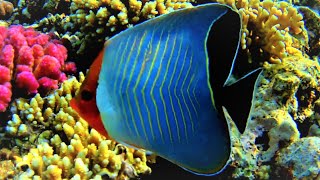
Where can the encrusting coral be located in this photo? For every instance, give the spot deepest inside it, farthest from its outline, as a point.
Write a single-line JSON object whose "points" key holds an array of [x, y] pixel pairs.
{"points": [[284, 112], [312, 19], [303, 157], [59, 144]]}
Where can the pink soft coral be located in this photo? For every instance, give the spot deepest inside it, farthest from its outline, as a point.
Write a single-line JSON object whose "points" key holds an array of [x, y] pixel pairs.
{"points": [[31, 60]]}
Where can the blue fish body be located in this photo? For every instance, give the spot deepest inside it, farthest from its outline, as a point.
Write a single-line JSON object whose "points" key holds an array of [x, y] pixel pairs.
{"points": [[155, 89]]}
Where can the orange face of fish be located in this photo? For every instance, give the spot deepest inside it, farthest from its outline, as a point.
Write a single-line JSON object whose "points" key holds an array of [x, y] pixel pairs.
{"points": [[85, 101]]}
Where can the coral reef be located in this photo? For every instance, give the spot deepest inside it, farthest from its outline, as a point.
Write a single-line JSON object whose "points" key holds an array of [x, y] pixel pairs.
{"points": [[47, 138], [59, 144], [114, 14], [28, 11], [78, 22], [31, 60], [283, 115], [276, 27], [283, 111]]}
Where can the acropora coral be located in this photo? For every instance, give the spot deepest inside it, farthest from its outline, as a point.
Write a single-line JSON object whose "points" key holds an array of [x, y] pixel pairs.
{"points": [[49, 140], [30, 60]]}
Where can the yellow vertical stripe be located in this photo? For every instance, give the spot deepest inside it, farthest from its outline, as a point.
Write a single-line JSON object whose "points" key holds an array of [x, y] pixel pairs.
{"points": [[117, 75], [170, 83], [151, 91], [147, 53], [122, 81], [160, 90], [135, 87], [194, 93], [161, 87], [119, 68], [119, 49], [193, 106], [175, 93], [183, 98]]}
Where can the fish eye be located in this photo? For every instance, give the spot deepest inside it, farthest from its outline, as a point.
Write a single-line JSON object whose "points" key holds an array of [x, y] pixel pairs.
{"points": [[86, 95]]}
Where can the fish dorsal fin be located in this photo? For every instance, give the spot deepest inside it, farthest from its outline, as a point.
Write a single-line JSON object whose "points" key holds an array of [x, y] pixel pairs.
{"points": [[222, 46], [225, 71]]}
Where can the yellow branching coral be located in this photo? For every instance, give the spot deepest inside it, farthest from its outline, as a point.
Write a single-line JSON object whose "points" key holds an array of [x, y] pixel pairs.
{"points": [[61, 145], [6, 8], [277, 26], [115, 15], [148, 9], [88, 19]]}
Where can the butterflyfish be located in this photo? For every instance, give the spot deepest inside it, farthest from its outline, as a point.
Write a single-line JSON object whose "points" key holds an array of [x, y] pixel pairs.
{"points": [[152, 86]]}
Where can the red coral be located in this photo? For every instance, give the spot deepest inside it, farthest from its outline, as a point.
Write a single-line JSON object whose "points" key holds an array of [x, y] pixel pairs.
{"points": [[70, 67], [31, 60], [48, 84], [26, 80], [25, 56], [4, 74], [49, 66], [7, 56], [5, 96]]}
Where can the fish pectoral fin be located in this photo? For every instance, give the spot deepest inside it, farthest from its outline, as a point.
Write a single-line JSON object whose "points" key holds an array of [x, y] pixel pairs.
{"points": [[148, 152]]}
